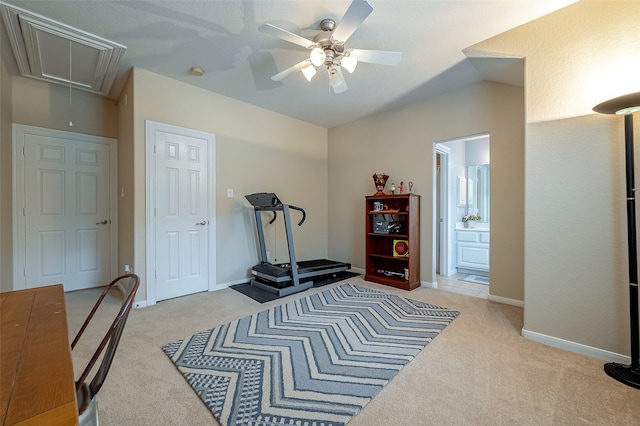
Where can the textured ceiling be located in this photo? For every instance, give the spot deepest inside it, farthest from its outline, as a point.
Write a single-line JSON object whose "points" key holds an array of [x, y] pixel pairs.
{"points": [[222, 37]]}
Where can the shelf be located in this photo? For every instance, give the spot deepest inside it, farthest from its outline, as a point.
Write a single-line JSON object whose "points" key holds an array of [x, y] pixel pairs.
{"points": [[398, 236], [402, 213], [388, 212], [387, 256], [392, 281]]}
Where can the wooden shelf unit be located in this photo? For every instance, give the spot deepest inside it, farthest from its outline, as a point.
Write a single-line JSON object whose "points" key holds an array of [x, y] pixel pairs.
{"points": [[402, 208]]}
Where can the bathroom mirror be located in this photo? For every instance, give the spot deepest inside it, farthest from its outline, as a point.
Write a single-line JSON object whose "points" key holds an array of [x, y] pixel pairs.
{"points": [[478, 191]]}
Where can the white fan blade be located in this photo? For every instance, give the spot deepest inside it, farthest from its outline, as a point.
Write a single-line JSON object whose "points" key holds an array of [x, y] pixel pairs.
{"points": [[291, 70], [286, 36], [353, 17], [342, 87], [381, 57]]}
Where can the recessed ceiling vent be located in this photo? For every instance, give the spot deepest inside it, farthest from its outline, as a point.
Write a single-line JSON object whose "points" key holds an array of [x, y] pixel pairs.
{"points": [[50, 51]]}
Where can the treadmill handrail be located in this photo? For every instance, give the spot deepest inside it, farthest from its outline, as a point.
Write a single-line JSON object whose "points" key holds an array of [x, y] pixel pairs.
{"points": [[268, 201], [278, 208], [273, 219], [300, 209]]}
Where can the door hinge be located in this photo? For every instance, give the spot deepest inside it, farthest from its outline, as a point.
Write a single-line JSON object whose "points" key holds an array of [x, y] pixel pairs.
{"points": [[24, 151], [155, 274], [24, 272], [154, 211], [24, 212]]}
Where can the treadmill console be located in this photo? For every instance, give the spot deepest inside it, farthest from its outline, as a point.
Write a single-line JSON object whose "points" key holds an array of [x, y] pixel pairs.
{"points": [[263, 199]]}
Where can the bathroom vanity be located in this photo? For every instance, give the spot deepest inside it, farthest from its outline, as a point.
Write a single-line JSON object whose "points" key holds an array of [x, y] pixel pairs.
{"points": [[472, 248]]}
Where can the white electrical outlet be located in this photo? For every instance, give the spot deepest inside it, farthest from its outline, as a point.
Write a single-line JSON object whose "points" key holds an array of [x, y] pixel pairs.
{"points": [[230, 193], [127, 269], [268, 256]]}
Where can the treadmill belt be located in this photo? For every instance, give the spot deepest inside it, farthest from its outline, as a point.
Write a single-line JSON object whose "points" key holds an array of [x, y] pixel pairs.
{"points": [[320, 264]]}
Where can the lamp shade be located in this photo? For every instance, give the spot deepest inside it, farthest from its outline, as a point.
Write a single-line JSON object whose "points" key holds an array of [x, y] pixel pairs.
{"points": [[309, 72], [335, 78], [349, 63], [317, 56], [622, 105]]}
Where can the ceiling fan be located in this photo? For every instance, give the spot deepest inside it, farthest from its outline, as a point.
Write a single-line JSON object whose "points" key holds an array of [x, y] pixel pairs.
{"points": [[328, 47]]}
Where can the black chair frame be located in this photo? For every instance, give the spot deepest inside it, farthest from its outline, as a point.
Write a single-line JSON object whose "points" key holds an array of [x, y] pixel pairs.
{"points": [[111, 339]]}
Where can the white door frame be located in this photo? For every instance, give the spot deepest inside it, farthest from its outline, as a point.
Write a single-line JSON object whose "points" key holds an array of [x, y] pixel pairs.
{"points": [[151, 127], [19, 196], [445, 234]]}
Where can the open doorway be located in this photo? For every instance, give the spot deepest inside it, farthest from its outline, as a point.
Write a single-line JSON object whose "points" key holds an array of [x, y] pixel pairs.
{"points": [[462, 249]]}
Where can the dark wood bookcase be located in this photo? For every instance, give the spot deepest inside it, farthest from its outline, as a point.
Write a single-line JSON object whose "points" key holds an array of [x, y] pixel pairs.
{"points": [[398, 221]]}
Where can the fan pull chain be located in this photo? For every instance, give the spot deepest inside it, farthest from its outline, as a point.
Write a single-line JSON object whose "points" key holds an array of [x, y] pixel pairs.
{"points": [[70, 94]]}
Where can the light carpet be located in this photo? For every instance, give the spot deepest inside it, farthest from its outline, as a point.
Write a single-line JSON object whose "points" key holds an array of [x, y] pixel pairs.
{"points": [[477, 279], [316, 360]]}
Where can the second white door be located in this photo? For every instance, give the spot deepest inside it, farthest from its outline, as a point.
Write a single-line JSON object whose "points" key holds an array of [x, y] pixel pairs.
{"points": [[182, 216]]}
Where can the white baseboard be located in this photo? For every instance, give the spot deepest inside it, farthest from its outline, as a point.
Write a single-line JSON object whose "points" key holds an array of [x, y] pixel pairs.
{"points": [[140, 304], [230, 283], [143, 303], [427, 284], [506, 301], [576, 347]]}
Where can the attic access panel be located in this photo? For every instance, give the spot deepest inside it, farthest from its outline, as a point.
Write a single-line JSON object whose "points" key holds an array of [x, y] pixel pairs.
{"points": [[50, 51]]}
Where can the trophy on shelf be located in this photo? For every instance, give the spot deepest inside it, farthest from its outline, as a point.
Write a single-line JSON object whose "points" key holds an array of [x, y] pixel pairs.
{"points": [[380, 180]]}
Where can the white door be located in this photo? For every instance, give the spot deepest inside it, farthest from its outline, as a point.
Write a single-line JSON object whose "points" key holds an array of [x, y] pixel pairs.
{"points": [[182, 211], [67, 210]]}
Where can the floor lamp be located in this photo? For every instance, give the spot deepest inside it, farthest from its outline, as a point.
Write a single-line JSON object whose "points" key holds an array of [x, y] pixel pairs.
{"points": [[626, 105]]}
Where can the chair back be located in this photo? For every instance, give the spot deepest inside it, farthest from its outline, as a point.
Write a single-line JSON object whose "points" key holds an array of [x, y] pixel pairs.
{"points": [[128, 283]]}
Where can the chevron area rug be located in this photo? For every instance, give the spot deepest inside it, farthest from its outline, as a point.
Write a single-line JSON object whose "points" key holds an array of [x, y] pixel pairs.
{"points": [[314, 361]]}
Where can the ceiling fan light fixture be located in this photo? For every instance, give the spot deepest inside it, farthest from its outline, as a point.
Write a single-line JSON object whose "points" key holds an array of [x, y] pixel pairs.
{"points": [[327, 48], [317, 56], [349, 63], [309, 72]]}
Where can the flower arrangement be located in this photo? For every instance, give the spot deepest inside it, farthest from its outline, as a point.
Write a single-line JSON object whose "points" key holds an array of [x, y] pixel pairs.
{"points": [[470, 217]]}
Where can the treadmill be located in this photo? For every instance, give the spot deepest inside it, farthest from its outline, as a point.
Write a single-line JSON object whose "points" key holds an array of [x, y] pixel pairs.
{"points": [[285, 278]]}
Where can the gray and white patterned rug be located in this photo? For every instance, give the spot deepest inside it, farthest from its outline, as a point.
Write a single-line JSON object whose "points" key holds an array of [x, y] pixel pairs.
{"points": [[312, 361]]}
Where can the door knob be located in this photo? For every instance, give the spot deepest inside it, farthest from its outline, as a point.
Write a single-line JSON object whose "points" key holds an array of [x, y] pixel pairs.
{"points": [[204, 222], [102, 222]]}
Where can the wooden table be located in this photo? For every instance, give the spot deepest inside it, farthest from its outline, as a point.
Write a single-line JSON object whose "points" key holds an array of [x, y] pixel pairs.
{"points": [[36, 378]]}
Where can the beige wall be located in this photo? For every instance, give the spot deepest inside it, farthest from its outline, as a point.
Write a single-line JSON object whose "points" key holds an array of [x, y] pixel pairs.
{"points": [[256, 151], [400, 143], [36, 103], [6, 248], [576, 284]]}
